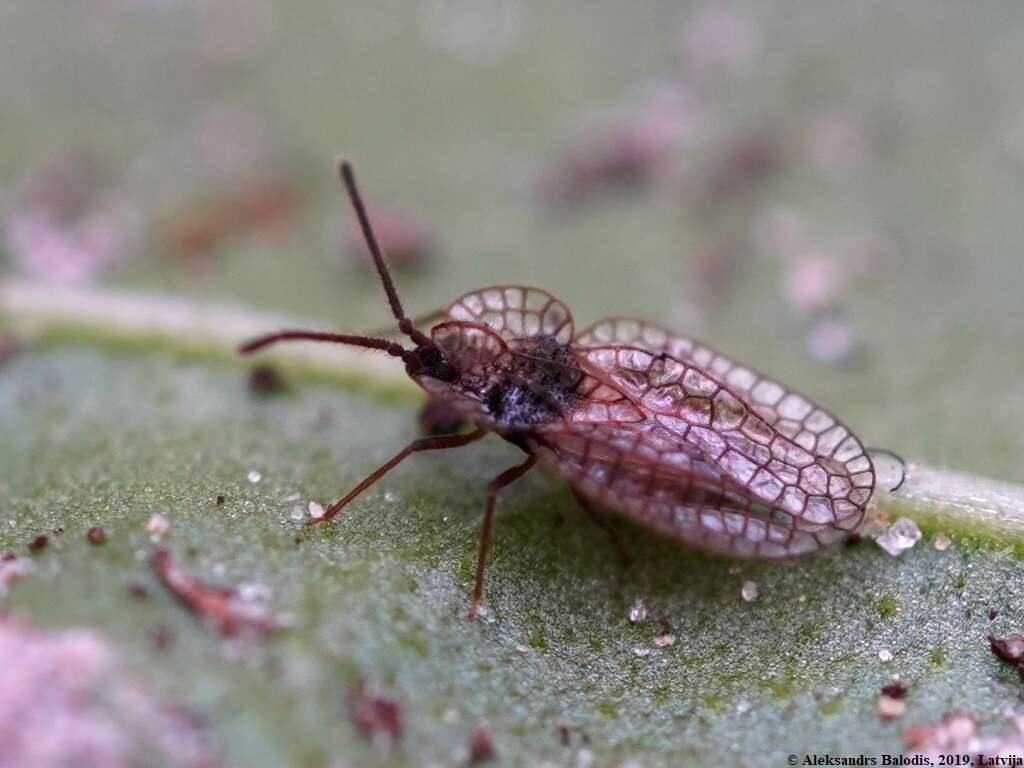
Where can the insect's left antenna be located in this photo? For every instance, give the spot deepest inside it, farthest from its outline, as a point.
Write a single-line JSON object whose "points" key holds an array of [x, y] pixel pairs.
{"points": [[405, 325]]}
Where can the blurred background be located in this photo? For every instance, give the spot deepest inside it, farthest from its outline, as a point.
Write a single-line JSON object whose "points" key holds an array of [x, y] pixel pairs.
{"points": [[830, 192]]}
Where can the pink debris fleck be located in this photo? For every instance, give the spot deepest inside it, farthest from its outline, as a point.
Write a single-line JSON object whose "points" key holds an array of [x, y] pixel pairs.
{"points": [[64, 701], [12, 568], [749, 592], [942, 542], [377, 715], [958, 732], [62, 230], [481, 747], [631, 149], [1010, 649], [407, 240], [665, 640], [832, 340], [812, 283], [474, 31], [718, 39], [316, 510], [226, 610]]}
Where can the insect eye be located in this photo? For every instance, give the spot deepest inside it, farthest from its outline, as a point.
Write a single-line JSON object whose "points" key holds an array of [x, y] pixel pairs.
{"points": [[431, 362]]}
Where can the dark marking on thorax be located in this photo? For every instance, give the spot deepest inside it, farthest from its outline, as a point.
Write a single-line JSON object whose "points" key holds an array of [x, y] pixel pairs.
{"points": [[537, 384]]}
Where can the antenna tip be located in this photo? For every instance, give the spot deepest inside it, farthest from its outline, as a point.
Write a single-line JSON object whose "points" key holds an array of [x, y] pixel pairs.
{"points": [[345, 168]]}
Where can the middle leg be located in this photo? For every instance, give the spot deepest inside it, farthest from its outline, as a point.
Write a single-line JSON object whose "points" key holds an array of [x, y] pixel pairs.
{"points": [[503, 480]]}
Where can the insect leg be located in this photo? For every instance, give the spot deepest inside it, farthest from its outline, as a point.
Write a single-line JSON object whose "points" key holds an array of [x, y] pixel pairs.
{"points": [[601, 521], [426, 444], [503, 480]]}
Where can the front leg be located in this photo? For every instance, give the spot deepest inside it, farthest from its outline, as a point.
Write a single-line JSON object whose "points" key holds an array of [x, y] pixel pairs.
{"points": [[426, 444]]}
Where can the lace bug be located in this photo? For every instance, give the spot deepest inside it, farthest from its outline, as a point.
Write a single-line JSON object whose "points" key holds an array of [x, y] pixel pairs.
{"points": [[647, 423]]}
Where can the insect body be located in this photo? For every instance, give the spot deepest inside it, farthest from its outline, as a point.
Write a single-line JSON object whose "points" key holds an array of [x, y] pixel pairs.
{"points": [[646, 423]]}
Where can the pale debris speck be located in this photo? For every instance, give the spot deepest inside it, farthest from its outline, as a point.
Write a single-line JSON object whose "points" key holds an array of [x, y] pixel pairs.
{"points": [[251, 592], [158, 525], [254, 476], [749, 591], [890, 708], [584, 758], [316, 510], [665, 640], [12, 568], [641, 651], [885, 654], [297, 512], [521, 649], [638, 612], [900, 536], [942, 542], [831, 340]]}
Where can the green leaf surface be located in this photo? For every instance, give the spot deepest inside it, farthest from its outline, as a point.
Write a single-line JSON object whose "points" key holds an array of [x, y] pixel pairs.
{"points": [[125, 403], [107, 438]]}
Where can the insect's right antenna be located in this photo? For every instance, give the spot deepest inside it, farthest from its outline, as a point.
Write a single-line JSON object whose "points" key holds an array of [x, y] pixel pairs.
{"points": [[405, 325]]}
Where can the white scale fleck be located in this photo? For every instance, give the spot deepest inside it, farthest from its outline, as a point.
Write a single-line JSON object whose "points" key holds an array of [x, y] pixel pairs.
{"points": [[252, 592], [899, 537], [638, 612], [297, 512], [885, 654], [890, 708], [316, 510], [749, 592], [831, 340], [665, 640], [640, 651], [254, 476], [158, 525], [942, 542]]}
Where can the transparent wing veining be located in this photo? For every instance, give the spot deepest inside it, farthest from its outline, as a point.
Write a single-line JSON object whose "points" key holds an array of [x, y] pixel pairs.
{"points": [[650, 479], [468, 346], [515, 312], [790, 412], [824, 480]]}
